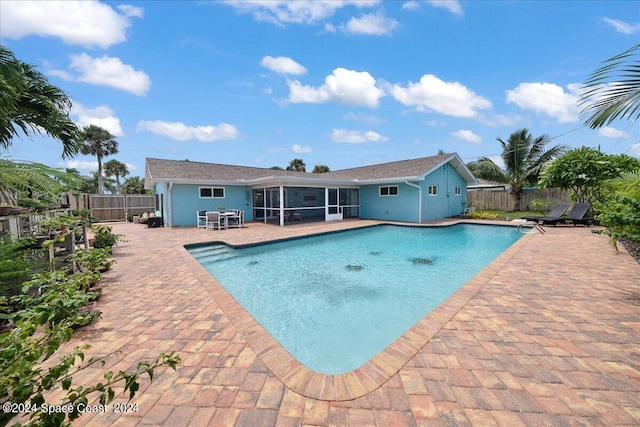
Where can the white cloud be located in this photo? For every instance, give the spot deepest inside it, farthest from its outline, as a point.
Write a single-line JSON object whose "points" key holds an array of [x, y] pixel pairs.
{"points": [[131, 11], [449, 98], [609, 132], [411, 5], [343, 86], [283, 65], [547, 98], [622, 27], [82, 165], [363, 118], [181, 132], [356, 137], [105, 71], [102, 116], [452, 6], [281, 12], [84, 23], [371, 24], [467, 135], [300, 149]]}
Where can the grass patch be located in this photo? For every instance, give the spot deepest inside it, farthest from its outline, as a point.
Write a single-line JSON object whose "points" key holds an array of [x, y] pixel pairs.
{"points": [[513, 215]]}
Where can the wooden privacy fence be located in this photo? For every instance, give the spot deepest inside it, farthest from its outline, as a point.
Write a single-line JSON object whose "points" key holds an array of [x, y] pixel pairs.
{"points": [[503, 201], [116, 207]]}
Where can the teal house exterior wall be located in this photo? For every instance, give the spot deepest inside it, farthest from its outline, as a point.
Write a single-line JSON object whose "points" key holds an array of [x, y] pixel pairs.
{"points": [[185, 201], [445, 203], [404, 206]]}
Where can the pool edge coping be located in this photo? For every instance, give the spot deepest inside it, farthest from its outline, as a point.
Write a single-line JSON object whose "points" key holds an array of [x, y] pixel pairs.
{"points": [[379, 369]]}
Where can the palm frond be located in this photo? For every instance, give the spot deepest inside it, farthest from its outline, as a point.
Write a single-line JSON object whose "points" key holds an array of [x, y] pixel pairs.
{"points": [[612, 92]]}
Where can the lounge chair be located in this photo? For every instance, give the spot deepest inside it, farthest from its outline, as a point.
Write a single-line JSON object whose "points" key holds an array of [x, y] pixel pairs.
{"points": [[555, 212], [577, 215]]}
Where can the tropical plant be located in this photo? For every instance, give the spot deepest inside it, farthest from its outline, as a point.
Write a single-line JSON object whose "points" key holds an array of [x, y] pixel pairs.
{"points": [[584, 170], [31, 180], [297, 165], [89, 184], [98, 142], [96, 259], [321, 169], [104, 236], [31, 105], [133, 185], [541, 206], [620, 211], [117, 169], [523, 157], [613, 90]]}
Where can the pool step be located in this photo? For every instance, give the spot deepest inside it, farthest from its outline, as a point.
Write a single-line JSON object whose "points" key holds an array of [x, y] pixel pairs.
{"points": [[212, 253]]}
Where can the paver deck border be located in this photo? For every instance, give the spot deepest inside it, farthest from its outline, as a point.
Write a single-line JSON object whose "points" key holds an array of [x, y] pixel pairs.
{"points": [[374, 373]]}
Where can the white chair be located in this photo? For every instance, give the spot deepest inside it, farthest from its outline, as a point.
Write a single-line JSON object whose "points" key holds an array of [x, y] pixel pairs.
{"points": [[201, 219], [236, 220], [214, 220]]}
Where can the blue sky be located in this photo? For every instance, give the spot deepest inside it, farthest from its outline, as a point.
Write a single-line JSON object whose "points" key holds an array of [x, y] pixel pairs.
{"points": [[338, 83]]}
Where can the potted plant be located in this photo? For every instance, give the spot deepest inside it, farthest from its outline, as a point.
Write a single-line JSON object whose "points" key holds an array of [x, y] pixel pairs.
{"points": [[96, 259], [104, 237]]}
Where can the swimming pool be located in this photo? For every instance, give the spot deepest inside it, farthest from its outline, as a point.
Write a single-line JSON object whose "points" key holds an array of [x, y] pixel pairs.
{"points": [[335, 300]]}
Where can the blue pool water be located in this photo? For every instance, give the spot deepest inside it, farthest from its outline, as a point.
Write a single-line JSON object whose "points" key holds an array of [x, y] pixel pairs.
{"points": [[334, 301]]}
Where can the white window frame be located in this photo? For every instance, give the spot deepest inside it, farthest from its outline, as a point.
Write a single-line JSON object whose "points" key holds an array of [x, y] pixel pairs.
{"points": [[433, 190], [458, 190], [213, 192], [388, 187]]}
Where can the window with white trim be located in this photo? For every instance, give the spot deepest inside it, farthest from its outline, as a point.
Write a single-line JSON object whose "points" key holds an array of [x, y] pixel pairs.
{"points": [[433, 190], [212, 192], [458, 190], [389, 190]]}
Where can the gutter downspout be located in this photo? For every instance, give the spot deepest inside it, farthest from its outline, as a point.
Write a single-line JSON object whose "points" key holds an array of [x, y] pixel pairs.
{"points": [[411, 184], [169, 210]]}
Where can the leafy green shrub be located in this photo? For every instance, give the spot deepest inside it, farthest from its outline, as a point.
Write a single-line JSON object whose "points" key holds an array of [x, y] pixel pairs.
{"points": [[541, 206], [96, 259], [621, 216], [104, 237]]}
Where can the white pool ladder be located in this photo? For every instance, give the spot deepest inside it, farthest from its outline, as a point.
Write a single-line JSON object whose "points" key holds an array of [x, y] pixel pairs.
{"points": [[528, 226]]}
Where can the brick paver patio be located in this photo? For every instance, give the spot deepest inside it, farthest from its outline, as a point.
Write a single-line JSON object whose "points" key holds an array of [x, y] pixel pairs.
{"points": [[548, 334]]}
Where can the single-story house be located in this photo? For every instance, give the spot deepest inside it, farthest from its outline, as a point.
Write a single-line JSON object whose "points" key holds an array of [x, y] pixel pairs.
{"points": [[414, 190]]}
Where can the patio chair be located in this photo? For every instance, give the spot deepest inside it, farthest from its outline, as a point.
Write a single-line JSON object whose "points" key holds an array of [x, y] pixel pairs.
{"points": [[555, 212], [236, 220], [577, 215], [214, 220], [201, 219]]}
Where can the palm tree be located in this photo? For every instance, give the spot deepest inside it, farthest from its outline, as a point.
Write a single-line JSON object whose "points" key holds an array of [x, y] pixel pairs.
{"points": [[31, 180], [133, 185], [98, 142], [297, 165], [115, 168], [613, 90], [321, 169], [31, 105], [523, 157]]}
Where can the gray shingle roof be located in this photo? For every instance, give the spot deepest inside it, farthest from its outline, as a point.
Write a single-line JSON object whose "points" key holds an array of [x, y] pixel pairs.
{"points": [[186, 170]]}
